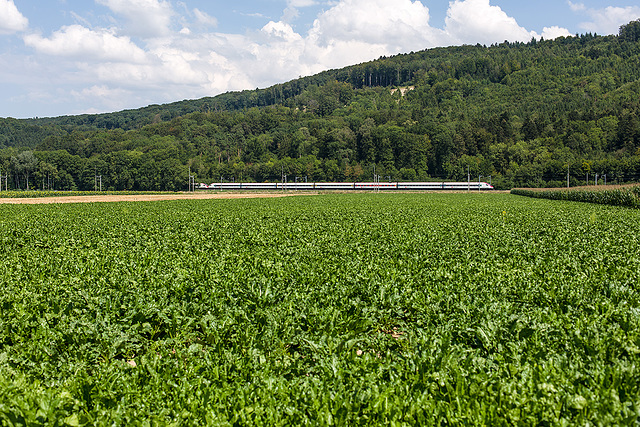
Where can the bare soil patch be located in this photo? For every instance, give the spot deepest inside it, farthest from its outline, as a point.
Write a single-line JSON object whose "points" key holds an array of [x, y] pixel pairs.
{"points": [[145, 197]]}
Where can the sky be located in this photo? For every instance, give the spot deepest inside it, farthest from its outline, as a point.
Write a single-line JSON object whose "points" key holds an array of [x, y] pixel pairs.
{"points": [[67, 57]]}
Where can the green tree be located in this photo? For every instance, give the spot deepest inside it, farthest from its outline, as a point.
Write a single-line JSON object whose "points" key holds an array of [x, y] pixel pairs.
{"points": [[48, 174], [630, 32], [24, 164]]}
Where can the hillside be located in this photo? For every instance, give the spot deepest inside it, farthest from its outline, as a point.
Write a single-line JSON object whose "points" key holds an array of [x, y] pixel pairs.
{"points": [[523, 114]]}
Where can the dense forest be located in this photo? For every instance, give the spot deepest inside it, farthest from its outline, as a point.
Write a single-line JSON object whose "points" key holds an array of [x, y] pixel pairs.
{"points": [[518, 114]]}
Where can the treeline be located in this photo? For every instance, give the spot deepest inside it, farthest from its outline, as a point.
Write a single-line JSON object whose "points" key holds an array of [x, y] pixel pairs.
{"points": [[524, 114]]}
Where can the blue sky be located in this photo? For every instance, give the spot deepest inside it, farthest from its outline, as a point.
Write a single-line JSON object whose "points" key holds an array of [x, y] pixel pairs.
{"points": [[61, 57]]}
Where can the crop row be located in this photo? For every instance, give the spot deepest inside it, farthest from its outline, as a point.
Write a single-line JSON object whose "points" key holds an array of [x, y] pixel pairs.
{"points": [[344, 309], [616, 197]]}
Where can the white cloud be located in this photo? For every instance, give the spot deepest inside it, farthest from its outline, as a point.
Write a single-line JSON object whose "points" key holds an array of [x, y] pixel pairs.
{"points": [[223, 75], [76, 41], [605, 20], [279, 50], [291, 12], [204, 18], [476, 21], [281, 31], [550, 33], [111, 98], [359, 30], [354, 31], [301, 3], [374, 21], [146, 18], [80, 19], [11, 20], [576, 7], [102, 69], [255, 15]]}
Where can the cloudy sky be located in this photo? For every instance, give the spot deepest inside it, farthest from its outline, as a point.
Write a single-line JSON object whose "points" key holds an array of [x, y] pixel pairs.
{"points": [[60, 57]]}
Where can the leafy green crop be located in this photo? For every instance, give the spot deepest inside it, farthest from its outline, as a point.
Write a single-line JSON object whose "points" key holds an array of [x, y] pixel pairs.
{"points": [[615, 197], [343, 309]]}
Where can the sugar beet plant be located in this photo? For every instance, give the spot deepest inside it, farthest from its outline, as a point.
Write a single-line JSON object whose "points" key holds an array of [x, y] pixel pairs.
{"points": [[395, 309]]}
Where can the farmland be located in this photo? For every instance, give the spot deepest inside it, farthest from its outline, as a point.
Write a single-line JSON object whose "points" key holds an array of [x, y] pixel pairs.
{"points": [[613, 195], [330, 309]]}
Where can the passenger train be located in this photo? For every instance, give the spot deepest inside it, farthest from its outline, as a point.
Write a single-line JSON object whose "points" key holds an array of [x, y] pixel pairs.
{"points": [[371, 186]]}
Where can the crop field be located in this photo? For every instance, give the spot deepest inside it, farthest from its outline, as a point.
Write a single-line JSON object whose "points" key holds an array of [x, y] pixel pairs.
{"points": [[338, 309], [616, 196]]}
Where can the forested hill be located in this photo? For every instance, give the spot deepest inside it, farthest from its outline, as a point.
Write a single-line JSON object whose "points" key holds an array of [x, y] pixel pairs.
{"points": [[524, 114]]}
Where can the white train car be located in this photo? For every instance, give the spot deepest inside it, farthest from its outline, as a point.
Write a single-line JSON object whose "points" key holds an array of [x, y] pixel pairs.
{"points": [[421, 186], [295, 186], [363, 186], [376, 185], [225, 186], [259, 186], [460, 186], [334, 186]]}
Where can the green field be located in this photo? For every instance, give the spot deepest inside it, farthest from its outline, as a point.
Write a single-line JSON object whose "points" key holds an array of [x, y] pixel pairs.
{"points": [[339, 309]]}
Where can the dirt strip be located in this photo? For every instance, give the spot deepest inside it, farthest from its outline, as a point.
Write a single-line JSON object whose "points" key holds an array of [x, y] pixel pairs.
{"points": [[143, 197]]}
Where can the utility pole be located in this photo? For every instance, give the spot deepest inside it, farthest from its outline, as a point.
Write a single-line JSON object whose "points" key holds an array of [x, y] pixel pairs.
{"points": [[468, 179], [375, 179], [283, 178], [192, 181], [97, 180], [567, 175]]}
